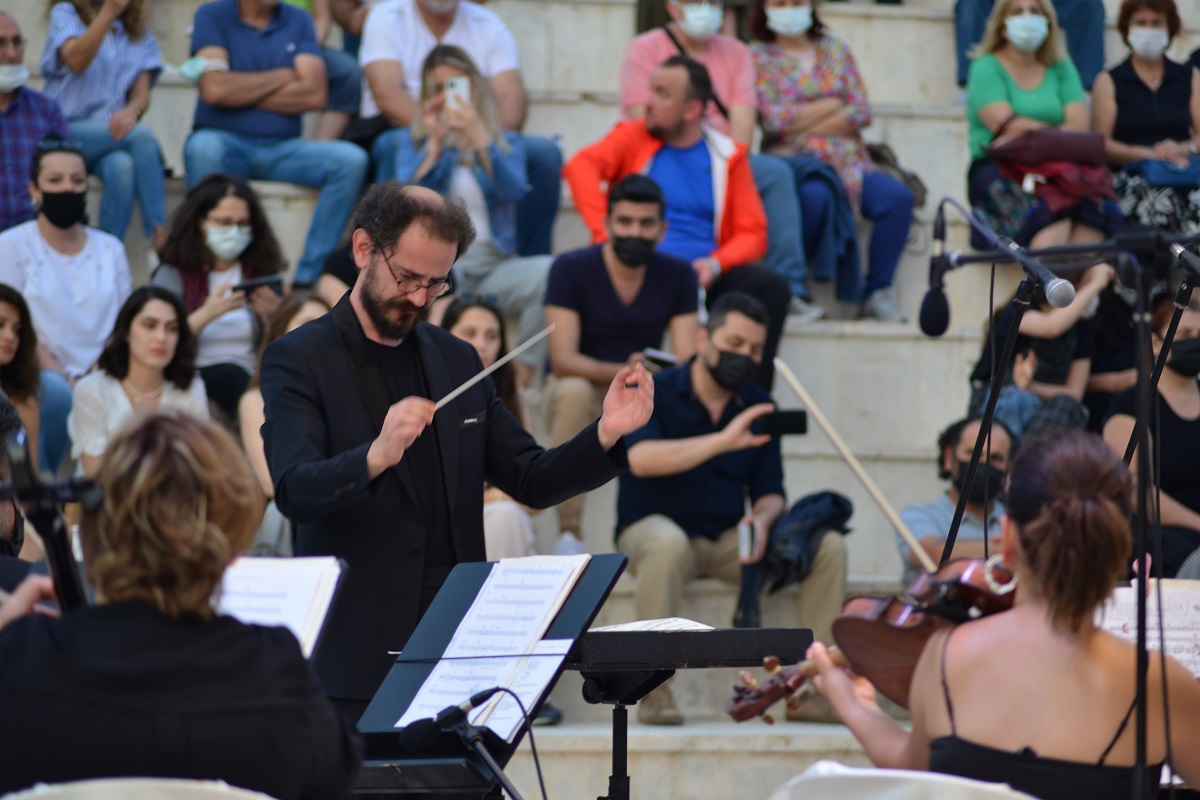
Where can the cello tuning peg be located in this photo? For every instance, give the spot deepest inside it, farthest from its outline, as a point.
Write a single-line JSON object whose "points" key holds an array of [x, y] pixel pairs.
{"points": [[793, 704], [749, 680], [767, 718], [771, 663]]}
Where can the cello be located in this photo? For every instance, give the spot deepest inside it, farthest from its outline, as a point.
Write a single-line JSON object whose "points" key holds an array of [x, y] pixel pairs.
{"points": [[881, 637]]}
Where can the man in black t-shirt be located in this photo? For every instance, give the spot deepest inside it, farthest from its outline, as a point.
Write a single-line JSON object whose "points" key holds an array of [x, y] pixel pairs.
{"points": [[608, 303]]}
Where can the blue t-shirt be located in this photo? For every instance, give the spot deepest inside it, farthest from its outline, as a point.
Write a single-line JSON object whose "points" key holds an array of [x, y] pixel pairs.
{"points": [[289, 33], [686, 179], [710, 499], [608, 329]]}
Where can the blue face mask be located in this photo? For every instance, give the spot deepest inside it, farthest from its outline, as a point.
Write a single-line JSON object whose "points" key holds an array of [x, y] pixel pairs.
{"points": [[790, 21], [701, 20], [1027, 32]]}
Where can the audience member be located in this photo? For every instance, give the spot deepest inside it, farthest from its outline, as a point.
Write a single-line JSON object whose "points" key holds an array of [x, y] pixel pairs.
{"points": [[26, 117], [17, 551], [1082, 23], [20, 375], [718, 226], [398, 36], [692, 30], [1148, 108], [262, 71], [979, 531], [507, 527], [57, 262], [100, 62], [150, 681], [220, 238], [461, 152], [608, 303], [812, 101], [1020, 81], [1062, 341], [1174, 428], [274, 537], [1114, 359], [692, 469], [343, 78], [147, 367], [1059, 727]]}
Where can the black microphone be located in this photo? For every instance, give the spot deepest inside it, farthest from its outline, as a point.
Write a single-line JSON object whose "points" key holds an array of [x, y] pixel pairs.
{"points": [[1188, 257], [452, 715], [934, 317], [1059, 291]]}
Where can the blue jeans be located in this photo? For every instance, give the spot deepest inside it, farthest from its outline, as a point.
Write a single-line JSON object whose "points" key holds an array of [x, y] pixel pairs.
{"points": [[345, 81], [538, 209], [785, 250], [1081, 20], [129, 167], [54, 405], [887, 202], [338, 169]]}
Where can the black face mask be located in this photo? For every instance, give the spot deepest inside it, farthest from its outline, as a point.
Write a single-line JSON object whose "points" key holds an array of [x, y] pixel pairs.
{"points": [[64, 209], [733, 370], [1185, 357], [634, 251], [989, 482]]}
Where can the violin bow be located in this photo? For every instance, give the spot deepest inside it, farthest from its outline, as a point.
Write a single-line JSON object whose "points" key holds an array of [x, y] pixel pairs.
{"points": [[855, 467]]}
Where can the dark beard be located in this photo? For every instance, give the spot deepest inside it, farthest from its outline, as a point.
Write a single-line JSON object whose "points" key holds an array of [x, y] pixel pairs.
{"points": [[391, 318]]}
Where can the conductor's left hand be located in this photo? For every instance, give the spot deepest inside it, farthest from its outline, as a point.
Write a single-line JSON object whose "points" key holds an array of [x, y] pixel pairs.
{"points": [[627, 405]]}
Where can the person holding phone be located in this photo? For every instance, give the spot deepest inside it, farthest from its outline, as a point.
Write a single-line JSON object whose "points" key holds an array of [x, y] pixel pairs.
{"points": [[219, 240], [457, 148]]}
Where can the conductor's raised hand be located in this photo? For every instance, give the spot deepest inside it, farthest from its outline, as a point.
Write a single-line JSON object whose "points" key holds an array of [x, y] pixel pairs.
{"points": [[405, 421], [737, 433], [628, 404]]}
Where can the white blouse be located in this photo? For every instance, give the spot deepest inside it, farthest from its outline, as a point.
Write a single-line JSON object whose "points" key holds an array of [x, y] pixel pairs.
{"points": [[101, 409]]}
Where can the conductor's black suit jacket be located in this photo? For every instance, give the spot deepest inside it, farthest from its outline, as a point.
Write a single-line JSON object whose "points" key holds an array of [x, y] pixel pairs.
{"points": [[325, 402]]}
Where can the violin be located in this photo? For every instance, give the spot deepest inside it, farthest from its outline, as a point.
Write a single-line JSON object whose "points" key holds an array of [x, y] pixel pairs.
{"points": [[881, 638]]}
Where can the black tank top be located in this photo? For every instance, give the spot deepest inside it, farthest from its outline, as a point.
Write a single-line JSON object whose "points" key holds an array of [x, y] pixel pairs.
{"points": [[1145, 116]]}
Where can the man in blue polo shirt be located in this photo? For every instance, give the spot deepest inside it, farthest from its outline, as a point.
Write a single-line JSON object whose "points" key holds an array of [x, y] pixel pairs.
{"points": [[692, 469], [262, 69]]}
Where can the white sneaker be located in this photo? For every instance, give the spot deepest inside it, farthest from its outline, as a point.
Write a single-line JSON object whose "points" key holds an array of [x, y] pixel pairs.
{"points": [[880, 306], [568, 545], [803, 310]]}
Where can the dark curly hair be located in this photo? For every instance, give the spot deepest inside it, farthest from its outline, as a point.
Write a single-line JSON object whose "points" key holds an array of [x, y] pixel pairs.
{"points": [[952, 435], [387, 209], [114, 359]]}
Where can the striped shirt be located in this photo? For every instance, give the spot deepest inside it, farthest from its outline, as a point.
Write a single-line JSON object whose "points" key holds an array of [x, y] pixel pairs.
{"points": [[29, 118], [104, 86]]}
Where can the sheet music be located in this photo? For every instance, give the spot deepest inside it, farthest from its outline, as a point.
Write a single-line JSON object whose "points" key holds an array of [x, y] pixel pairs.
{"points": [[1181, 619], [664, 624], [291, 592], [531, 678]]}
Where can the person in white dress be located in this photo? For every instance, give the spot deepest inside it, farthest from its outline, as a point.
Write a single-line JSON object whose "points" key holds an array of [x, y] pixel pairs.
{"points": [[148, 366]]}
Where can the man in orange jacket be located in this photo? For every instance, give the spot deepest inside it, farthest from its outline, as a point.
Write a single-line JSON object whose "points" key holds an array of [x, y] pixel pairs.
{"points": [[715, 218]]}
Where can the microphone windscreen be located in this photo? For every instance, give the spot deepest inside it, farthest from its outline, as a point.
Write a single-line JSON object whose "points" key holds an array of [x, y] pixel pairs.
{"points": [[934, 318], [1059, 293], [419, 735]]}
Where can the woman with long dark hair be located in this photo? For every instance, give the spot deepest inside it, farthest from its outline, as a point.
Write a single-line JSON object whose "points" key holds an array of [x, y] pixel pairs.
{"points": [[20, 376], [147, 366], [219, 238]]}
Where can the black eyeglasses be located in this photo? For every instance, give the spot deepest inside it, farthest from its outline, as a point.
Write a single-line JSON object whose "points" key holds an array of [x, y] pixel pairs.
{"points": [[409, 285]]}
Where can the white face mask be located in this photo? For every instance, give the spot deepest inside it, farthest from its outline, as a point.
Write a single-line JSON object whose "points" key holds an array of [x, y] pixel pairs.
{"points": [[441, 6], [790, 21], [1027, 32], [1148, 44], [13, 77], [701, 20], [227, 242]]}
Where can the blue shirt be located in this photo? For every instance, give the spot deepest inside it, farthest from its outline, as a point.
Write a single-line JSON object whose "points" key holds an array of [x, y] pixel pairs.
{"points": [[104, 86], [289, 33], [933, 519], [609, 330], [29, 118], [710, 499], [686, 179]]}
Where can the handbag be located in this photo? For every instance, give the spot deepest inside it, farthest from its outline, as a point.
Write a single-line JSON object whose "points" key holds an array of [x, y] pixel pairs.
{"points": [[1049, 144], [1165, 175]]}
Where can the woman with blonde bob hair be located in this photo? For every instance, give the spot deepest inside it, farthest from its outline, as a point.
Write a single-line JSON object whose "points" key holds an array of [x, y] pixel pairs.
{"points": [[151, 681]]}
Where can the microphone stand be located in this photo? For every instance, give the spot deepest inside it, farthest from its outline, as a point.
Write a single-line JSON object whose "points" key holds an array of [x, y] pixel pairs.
{"points": [[472, 738]]}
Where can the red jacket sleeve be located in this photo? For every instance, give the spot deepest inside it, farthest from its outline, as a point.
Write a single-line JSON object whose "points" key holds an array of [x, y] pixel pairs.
{"points": [[593, 169], [743, 235]]}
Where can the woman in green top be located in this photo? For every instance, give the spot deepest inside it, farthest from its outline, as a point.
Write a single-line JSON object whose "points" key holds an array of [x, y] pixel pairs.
{"points": [[1022, 80]]}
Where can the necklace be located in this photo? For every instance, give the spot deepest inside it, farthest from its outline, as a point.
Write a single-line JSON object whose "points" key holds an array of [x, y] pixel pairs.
{"points": [[139, 397]]}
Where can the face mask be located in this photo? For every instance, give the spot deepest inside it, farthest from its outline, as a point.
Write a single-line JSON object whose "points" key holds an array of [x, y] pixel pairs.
{"points": [[634, 251], [64, 209], [441, 6], [790, 21], [1185, 357], [733, 370], [1148, 44], [1027, 32], [989, 481], [701, 20], [227, 242], [13, 77]]}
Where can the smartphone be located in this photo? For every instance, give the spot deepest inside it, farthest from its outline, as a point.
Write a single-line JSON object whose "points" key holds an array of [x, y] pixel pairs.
{"points": [[660, 358], [275, 282], [782, 423], [458, 92]]}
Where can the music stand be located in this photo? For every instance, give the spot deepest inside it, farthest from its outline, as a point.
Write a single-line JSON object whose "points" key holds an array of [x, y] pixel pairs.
{"points": [[443, 763]]}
